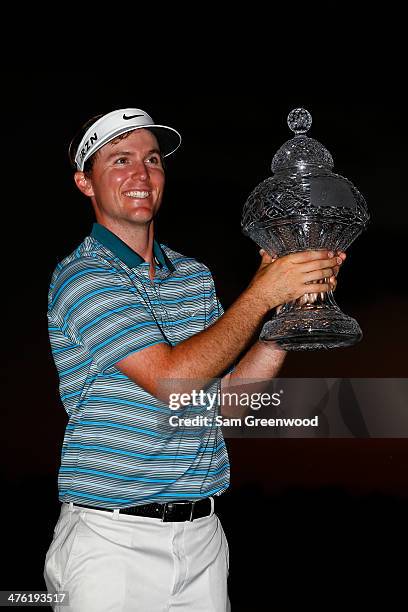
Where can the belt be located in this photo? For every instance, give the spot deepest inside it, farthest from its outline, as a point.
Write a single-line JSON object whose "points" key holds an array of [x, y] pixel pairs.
{"points": [[174, 511]]}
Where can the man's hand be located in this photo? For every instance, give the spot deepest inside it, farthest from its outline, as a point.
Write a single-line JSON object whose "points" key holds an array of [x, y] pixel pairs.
{"points": [[283, 279]]}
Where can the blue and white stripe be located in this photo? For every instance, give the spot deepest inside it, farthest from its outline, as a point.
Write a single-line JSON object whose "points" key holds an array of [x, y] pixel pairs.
{"points": [[118, 448]]}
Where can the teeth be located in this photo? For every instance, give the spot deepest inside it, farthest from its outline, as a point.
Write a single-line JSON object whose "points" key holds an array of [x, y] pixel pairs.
{"points": [[138, 194]]}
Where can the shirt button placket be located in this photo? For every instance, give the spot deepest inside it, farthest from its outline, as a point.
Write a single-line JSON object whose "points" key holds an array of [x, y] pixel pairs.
{"points": [[159, 307]]}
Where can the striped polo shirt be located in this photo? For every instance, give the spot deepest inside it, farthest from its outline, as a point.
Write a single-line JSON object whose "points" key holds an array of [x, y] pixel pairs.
{"points": [[118, 447]]}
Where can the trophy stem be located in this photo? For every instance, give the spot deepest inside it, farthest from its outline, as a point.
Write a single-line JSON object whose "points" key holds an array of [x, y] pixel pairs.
{"points": [[312, 322], [310, 301]]}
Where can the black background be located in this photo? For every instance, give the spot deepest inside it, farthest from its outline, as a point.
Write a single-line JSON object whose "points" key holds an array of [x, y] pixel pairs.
{"points": [[303, 517]]}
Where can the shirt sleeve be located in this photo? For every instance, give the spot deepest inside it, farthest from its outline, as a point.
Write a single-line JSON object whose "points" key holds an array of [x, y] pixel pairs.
{"points": [[97, 309]]}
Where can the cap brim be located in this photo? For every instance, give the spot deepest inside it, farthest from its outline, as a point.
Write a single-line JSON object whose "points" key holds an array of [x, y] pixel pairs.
{"points": [[169, 140]]}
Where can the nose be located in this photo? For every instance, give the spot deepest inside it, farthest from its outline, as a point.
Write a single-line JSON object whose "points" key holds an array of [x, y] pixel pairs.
{"points": [[139, 170]]}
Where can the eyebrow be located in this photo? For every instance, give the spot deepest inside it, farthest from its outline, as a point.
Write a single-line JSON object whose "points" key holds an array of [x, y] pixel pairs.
{"points": [[130, 153]]}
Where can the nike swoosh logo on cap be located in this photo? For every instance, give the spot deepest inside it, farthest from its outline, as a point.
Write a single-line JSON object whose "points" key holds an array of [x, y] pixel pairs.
{"points": [[131, 116]]}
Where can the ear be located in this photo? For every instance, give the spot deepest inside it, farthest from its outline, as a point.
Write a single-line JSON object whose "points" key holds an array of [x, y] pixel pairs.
{"points": [[84, 184]]}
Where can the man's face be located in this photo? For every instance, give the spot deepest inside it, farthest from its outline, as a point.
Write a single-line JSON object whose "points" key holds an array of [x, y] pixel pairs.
{"points": [[127, 180]]}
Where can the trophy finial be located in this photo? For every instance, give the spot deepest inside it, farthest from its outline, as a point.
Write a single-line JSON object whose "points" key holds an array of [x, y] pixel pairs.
{"points": [[300, 152], [299, 121]]}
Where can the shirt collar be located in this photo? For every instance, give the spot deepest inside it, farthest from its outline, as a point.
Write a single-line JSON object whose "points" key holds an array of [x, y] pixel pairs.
{"points": [[124, 252]]}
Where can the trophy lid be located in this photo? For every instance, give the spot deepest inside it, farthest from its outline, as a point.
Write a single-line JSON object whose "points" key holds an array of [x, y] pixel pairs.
{"points": [[301, 152], [304, 205]]}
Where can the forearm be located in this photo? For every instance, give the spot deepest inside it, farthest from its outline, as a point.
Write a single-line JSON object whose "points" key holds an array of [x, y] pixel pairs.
{"points": [[210, 352], [262, 362], [190, 365]]}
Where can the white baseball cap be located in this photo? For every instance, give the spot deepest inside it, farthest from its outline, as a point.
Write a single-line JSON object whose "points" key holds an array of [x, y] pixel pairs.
{"points": [[118, 122]]}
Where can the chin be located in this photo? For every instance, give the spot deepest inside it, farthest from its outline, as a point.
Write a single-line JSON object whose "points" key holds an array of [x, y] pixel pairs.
{"points": [[144, 216]]}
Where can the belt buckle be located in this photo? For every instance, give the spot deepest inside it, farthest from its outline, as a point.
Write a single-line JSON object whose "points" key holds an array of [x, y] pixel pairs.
{"points": [[170, 507]]}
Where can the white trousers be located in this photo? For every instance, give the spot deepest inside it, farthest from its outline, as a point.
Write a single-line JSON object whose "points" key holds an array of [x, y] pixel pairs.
{"points": [[112, 562]]}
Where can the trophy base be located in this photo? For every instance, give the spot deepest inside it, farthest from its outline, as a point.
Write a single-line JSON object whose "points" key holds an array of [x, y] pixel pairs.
{"points": [[312, 330]]}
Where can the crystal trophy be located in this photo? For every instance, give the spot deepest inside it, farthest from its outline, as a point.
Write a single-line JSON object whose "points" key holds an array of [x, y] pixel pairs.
{"points": [[303, 206]]}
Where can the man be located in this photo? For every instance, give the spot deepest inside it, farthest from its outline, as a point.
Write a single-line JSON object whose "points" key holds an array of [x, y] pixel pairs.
{"points": [[137, 529]]}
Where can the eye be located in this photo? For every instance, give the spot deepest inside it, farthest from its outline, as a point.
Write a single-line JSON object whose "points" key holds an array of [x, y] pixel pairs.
{"points": [[121, 161], [154, 159]]}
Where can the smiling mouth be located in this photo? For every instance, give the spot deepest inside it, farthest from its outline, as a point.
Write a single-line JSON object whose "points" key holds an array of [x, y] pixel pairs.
{"points": [[137, 195]]}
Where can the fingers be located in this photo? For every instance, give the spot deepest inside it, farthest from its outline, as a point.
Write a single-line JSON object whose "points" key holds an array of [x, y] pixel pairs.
{"points": [[266, 258], [320, 287], [308, 261], [318, 274], [309, 254], [342, 256], [313, 290], [320, 264], [262, 252], [312, 255], [306, 256]]}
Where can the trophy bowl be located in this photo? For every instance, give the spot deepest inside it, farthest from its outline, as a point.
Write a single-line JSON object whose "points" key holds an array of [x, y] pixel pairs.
{"points": [[304, 206]]}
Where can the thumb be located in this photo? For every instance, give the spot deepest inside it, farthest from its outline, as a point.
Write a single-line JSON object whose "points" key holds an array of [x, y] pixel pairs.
{"points": [[266, 258]]}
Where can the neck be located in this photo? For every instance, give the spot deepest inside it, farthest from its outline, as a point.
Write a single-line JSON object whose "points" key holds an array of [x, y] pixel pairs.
{"points": [[140, 238]]}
